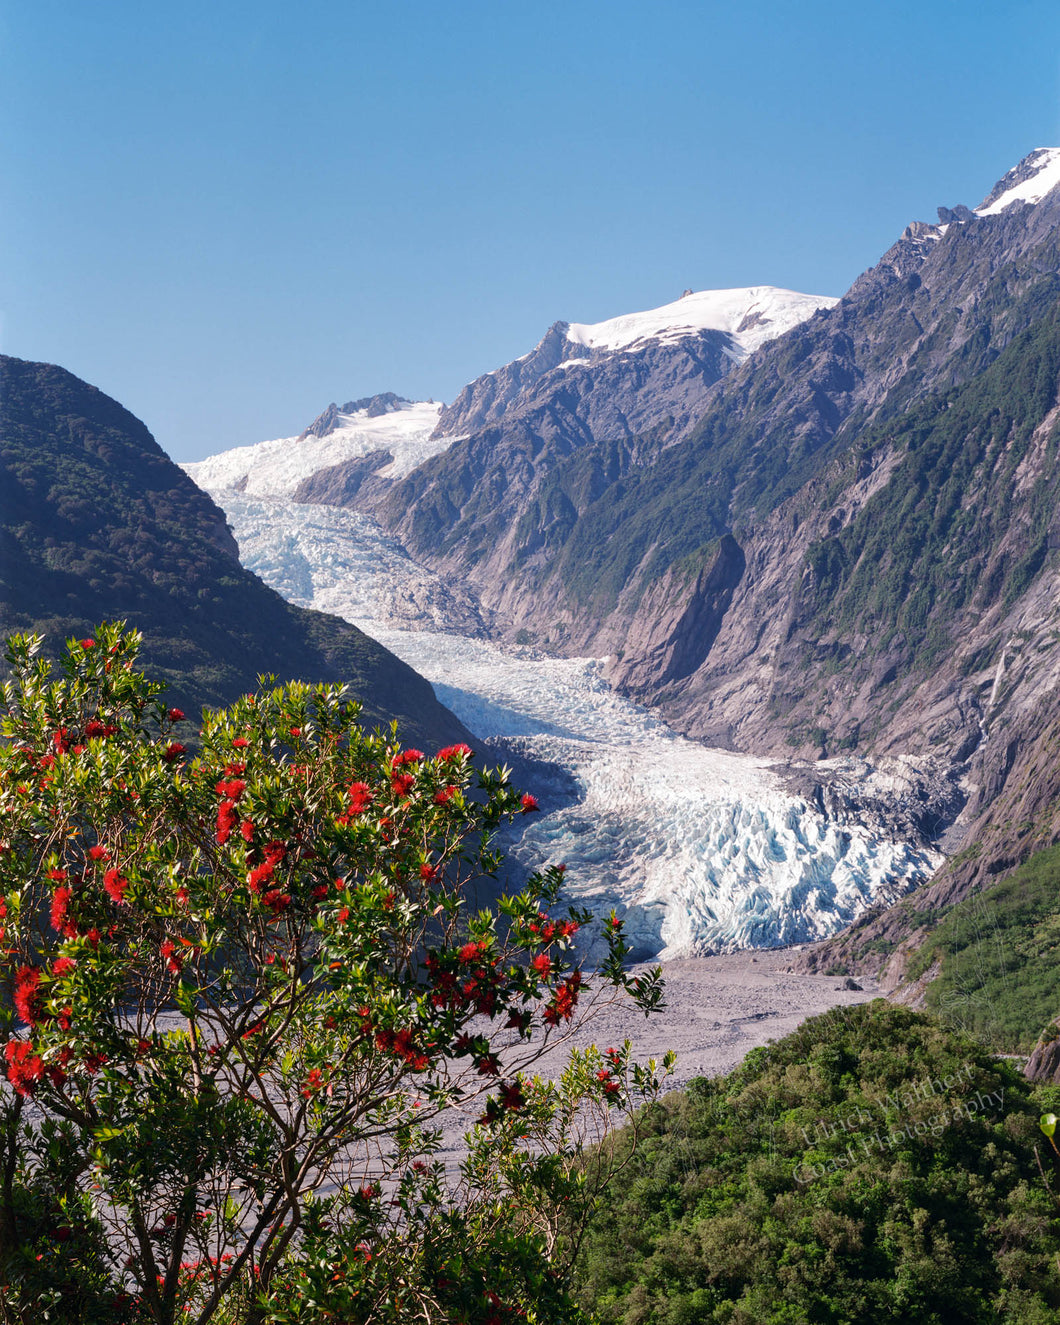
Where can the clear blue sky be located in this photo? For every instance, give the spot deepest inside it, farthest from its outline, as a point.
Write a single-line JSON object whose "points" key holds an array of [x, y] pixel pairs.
{"points": [[227, 214]]}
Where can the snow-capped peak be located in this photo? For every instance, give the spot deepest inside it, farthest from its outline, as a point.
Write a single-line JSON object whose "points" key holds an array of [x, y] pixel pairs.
{"points": [[275, 469], [749, 316], [1035, 176]]}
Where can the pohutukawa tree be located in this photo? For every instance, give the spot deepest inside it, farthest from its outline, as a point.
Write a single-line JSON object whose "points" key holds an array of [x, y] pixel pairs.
{"points": [[243, 985]]}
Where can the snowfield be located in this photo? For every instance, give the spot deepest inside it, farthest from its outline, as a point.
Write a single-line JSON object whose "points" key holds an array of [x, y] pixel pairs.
{"points": [[274, 469], [749, 316], [701, 850]]}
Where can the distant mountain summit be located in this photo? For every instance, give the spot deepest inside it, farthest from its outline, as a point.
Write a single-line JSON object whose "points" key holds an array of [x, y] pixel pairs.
{"points": [[695, 340], [749, 317], [337, 416], [1028, 182]]}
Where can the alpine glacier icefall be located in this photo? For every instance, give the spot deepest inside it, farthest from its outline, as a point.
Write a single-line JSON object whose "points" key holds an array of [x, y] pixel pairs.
{"points": [[701, 850]]}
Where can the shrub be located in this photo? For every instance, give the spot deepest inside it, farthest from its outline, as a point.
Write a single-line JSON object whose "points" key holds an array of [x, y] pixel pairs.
{"points": [[244, 985]]}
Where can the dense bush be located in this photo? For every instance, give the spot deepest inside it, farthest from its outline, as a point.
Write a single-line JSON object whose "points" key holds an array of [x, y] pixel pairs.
{"points": [[871, 1167], [239, 990], [997, 953]]}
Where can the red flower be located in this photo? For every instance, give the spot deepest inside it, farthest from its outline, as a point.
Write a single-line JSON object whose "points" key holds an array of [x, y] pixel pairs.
{"points": [[240, 743], [63, 966], [176, 715], [407, 757], [296, 731], [24, 1067], [27, 995], [87, 644], [529, 804], [58, 875], [231, 790], [99, 853], [455, 751], [93, 729], [469, 952], [401, 784], [169, 952], [114, 885], [360, 796], [226, 818], [260, 875], [446, 794], [427, 872], [247, 829], [173, 751], [542, 964]]}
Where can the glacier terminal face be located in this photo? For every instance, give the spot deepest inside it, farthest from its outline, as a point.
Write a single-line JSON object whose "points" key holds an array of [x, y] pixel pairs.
{"points": [[699, 850]]}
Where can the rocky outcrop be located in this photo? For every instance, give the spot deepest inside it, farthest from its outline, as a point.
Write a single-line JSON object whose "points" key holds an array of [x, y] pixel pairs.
{"points": [[339, 485], [372, 406], [1044, 1062], [678, 620], [485, 400]]}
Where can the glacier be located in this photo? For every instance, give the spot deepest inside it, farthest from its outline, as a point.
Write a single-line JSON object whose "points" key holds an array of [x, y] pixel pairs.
{"points": [[699, 850]]}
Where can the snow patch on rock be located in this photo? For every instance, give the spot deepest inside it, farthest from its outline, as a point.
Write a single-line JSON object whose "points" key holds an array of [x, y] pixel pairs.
{"points": [[1035, 176]]}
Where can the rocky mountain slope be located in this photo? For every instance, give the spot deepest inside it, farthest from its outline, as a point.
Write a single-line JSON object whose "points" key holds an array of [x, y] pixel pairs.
{"points": [[97, 523], [851, 551]]}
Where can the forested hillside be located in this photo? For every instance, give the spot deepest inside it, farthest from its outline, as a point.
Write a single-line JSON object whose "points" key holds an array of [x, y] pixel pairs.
{"points": [[98, 523]]}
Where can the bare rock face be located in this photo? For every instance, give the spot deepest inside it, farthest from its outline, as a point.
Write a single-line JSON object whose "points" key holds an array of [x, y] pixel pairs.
{"points": [[485, 400], [1044, 1062], [678, 620], [339, 485]]}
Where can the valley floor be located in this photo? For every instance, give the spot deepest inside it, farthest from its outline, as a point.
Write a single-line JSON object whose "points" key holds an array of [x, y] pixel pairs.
{"points": [[717, 1010]]}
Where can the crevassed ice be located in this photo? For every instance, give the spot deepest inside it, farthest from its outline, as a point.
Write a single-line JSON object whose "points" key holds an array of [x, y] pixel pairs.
{"points": [[700, 849]]}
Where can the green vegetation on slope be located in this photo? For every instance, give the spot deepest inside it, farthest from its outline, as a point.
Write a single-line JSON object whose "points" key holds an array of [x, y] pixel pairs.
{"points": [[964, 518], [998, 953], [827, 1181]]}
